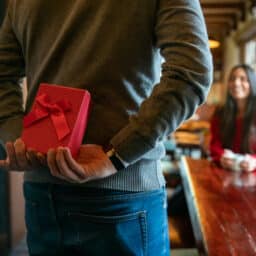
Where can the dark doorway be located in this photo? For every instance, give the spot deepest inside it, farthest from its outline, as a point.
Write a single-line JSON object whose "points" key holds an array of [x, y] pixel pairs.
{"points": [[2, 9]]}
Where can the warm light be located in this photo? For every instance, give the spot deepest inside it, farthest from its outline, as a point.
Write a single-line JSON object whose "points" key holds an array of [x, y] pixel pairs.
{"points": [[214, 43]]}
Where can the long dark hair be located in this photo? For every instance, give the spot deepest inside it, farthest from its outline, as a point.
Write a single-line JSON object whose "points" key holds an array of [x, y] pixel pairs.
{"points": [[228, 113]]}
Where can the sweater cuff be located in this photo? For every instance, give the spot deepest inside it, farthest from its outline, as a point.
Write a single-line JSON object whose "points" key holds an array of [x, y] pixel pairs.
{"points": [[130, 145]]}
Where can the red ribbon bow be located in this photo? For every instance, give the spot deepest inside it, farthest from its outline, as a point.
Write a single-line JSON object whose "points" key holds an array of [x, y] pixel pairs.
{"points": [[56, 110]]}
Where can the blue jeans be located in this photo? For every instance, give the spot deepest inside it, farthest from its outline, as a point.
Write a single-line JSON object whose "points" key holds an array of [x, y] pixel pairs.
{"points": [[63, 220]]}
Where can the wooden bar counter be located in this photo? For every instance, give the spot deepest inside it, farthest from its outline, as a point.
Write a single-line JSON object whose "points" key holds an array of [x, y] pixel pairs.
{"points": [[222, 208]]}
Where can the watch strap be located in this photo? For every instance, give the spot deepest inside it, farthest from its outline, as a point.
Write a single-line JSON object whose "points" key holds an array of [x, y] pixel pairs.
{"points": [[116, 162], [115, 159]]}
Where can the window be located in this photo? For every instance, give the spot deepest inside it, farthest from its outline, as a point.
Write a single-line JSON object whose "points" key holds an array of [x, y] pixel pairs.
{"points": [[250, 53]]}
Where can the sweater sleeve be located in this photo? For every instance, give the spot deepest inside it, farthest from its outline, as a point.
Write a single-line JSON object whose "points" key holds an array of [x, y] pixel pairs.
{"points": [[216, 148], [181, 36], [11, 72]]}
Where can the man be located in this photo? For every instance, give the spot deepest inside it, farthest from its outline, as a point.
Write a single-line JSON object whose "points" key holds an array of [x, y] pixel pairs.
{"points": [[111, 199]]}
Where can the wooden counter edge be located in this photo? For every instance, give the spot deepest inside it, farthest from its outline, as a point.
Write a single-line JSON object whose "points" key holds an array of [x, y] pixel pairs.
{"points": [[191, 203]]}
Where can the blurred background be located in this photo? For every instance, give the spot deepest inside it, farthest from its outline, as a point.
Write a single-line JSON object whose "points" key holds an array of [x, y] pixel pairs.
{"points": [[231, 26]]}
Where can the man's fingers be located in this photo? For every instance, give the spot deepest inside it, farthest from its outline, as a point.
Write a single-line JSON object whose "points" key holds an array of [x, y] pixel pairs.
{"points": [[31, 156], [19, 158], [42, 159], [71, 162], [11, 160], [4, 164], [51, 161], [64, 168], [20, 151]]}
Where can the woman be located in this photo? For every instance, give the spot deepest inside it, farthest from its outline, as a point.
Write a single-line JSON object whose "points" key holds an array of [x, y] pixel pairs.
{"points": [[233, 126]]}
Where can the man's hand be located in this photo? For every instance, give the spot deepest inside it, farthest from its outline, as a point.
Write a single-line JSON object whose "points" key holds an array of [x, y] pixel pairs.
{"points": [[19, 158], [92, 163]]}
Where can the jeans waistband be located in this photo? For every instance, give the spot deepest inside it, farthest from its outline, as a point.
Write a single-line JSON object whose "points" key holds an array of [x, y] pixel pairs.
{"points": [[68, 191]]}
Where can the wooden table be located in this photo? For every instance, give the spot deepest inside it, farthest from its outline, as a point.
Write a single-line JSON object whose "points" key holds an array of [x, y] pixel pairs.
{"points": [[189, 143], [222, 208], [194, 125]]}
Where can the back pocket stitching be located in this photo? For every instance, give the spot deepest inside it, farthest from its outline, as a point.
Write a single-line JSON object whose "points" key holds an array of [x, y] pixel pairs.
{"points": [[108, 219], [144, 231]]}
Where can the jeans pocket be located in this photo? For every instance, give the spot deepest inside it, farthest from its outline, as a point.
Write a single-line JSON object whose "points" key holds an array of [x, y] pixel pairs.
{"points": [[114, 235]]}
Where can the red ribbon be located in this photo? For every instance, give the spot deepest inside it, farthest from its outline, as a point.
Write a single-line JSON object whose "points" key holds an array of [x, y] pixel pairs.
{"points": [[56, 110]]}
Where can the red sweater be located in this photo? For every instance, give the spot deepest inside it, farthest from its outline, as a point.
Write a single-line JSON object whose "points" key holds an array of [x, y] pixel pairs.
{"points": [[216, 147]]}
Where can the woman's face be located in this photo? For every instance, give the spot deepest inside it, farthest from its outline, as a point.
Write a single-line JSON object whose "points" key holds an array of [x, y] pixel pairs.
{"points": [[238, 84]]}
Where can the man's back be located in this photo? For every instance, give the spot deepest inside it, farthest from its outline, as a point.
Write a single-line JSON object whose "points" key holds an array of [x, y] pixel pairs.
{"points": [[89, 205], [111, 48], [106, 47]]}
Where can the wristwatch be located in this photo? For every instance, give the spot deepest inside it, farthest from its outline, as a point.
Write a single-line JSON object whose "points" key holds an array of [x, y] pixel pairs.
{"points": [[111, 153]]}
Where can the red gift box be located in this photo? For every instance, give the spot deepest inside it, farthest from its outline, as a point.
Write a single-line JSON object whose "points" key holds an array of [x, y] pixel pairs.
{"points": [[58, 117]]}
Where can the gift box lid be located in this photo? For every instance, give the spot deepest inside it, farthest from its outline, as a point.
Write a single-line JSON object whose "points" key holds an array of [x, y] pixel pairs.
{"points": [[58, 117]]}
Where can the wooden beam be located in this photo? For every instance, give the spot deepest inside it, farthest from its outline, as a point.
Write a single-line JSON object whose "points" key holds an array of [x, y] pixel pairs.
{"points": [[222, 1], [218, 31], [222, 11], [240, 7], [225, 21], [231, 19]]}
